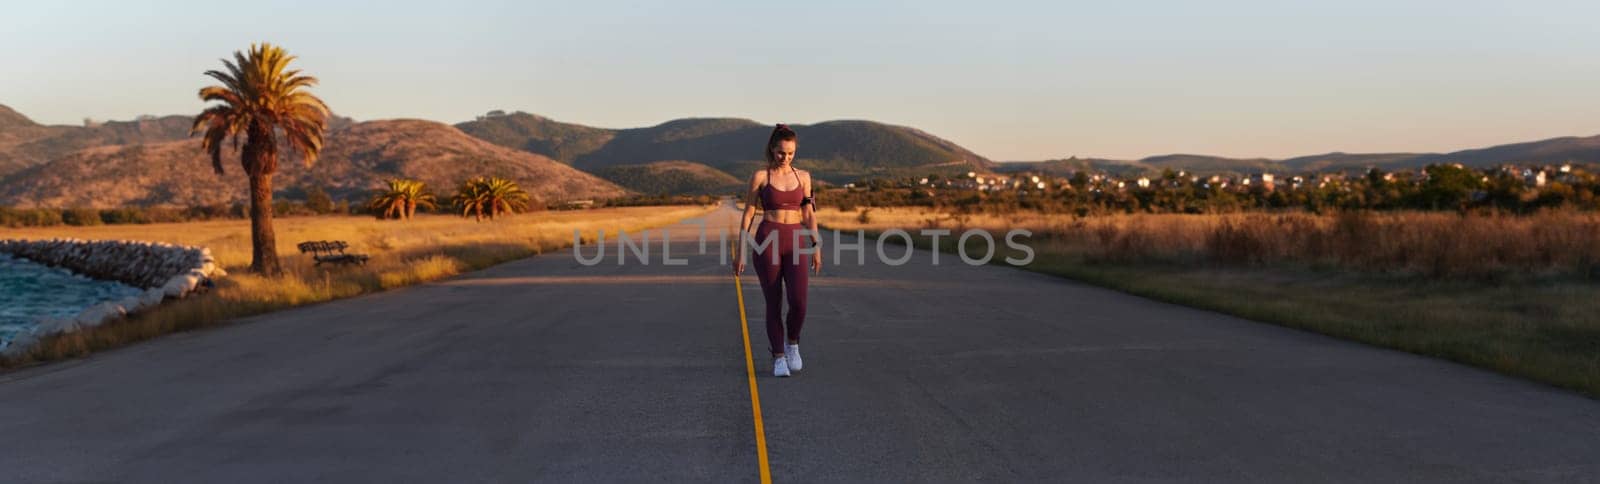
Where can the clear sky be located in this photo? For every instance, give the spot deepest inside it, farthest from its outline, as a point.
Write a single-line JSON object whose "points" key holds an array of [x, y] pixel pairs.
{"points": [[1010, 80]]}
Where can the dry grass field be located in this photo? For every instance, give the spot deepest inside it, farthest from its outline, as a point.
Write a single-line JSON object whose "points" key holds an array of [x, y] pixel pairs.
{"points": [[1518, 295], [425, 248]]}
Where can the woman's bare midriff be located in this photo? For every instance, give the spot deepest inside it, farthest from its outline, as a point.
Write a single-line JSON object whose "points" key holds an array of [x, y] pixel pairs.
{"points": [[782, 216]]}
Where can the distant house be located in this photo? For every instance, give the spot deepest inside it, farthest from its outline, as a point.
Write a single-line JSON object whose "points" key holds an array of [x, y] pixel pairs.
{"points": [[1263, 179], [580, 204], [1143, 182]]}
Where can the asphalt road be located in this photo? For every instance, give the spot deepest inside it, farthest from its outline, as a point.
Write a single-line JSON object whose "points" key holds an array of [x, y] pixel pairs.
{"points": [[546, 369]]}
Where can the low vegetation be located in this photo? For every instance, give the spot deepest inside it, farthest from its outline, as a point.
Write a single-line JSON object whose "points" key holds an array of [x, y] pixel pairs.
{"points": [[1515, 294], [426, 248]]}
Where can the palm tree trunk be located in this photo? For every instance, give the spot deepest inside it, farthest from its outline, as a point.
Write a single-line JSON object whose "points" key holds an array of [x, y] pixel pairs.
{"points": [[411, 208], [264, 246]]}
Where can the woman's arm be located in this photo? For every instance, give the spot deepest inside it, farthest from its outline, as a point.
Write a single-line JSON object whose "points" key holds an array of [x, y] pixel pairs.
{"points": [[808, 216], [752, 198]]}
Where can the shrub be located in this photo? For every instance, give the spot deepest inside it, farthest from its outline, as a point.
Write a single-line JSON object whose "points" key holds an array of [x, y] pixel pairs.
{"points": [[81, 216]]}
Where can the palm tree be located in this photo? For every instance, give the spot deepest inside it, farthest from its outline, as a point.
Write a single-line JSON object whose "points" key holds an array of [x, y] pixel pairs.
{"points": [[261, 98], [402, 198], [505, 196], [492, 196], [471, 198]]}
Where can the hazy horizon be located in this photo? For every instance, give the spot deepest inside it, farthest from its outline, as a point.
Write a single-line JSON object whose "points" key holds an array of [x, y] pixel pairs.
{"points": [[1012, 81]]}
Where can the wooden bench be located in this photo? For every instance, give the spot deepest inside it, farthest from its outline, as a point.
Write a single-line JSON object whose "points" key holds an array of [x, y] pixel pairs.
{"points": [[332, 252]]}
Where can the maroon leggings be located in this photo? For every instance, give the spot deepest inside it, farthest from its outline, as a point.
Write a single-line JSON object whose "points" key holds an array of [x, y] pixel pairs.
{"points": [[786, 275]]}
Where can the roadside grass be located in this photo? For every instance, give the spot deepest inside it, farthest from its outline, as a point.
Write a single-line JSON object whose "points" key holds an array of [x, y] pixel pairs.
{"points": [[1539, 321], [426, 248]]}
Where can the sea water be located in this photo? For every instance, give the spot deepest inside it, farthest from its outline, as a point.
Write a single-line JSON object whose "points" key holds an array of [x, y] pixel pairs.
{"points": [[30, 292]]}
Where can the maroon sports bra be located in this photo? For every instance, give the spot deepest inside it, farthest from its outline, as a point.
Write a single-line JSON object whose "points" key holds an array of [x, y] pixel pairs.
{"points": [[775, 199]]}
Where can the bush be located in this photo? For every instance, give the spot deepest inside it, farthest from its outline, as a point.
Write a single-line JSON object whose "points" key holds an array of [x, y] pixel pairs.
{"points": [[80, 216], [122, 216], [318, 200], [45, 217], [29, 217], [210, 212]]}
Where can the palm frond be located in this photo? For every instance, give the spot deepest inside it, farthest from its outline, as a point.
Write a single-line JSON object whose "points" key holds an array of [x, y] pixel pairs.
{"points": [[260, 96]]}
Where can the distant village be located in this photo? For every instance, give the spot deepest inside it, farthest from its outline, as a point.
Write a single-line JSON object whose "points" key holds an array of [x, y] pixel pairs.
{"points": [[1517, 187]]}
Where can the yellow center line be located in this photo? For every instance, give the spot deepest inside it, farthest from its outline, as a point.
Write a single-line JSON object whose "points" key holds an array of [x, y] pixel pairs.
{"points": [[755, 397]]}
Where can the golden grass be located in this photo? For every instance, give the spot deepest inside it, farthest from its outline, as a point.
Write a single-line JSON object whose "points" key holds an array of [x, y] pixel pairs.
{"points": [[1512, 294], [1433, 244], [424, 248]]}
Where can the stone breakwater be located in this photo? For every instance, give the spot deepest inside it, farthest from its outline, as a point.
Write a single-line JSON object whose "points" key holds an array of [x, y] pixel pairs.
{"points": [[161, 270]]}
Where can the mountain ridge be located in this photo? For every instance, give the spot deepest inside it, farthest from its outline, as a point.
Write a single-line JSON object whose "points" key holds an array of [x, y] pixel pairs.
{"points": [[356, 159], [839, 150], [1562, 149]]}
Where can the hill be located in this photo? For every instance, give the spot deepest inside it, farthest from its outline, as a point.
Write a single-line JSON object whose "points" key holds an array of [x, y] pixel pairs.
{"points": [[24, 143], [1199, 164], [1550, 151], [10, 118], [1337, 161], [1070, 166], [672, 178], [1545, 152], [357, 159], [837, 151], [563, 142], [1209, 164]]}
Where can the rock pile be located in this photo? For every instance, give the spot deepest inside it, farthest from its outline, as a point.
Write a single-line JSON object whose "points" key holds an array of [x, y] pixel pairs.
{"points": [[162, 270]]}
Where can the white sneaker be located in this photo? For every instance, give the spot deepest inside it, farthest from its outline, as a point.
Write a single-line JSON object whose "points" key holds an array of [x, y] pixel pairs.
{"points": [[780, 366], [793, 354]]}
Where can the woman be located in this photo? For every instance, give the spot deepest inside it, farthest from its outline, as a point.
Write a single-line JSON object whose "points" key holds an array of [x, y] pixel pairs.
{"points": [[784, 194]]}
